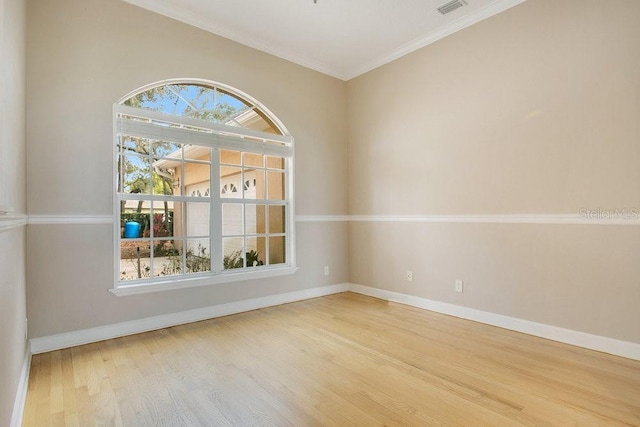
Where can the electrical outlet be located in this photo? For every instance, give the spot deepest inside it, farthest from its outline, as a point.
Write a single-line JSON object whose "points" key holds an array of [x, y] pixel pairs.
{"points": [[459, 284], [409, 276], [326, 270]]}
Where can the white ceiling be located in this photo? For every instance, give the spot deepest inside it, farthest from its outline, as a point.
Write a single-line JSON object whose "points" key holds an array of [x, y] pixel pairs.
{"points": [[341, 38]]}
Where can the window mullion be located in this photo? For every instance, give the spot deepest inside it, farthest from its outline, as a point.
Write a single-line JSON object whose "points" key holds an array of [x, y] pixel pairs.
{"points": [[215, 213], [183, 209]]}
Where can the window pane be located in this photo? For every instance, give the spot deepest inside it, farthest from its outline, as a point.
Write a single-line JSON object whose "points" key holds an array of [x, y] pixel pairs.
{"points": [[254, 219], [231, 219], [255, 250], [169, 265], [136, 175], [253, 185], [230, 157], [276, 250], [197, 219], [230, 182], [135, 220], [276, 185], [276, 219], [134, 259], [256, 160], [163, 219], [166, 247], [166, 149], [275, 162], [232, 253], [202, 102], [197, 152], [132, 144], [197, 178], [163, 180], [198, 255]]}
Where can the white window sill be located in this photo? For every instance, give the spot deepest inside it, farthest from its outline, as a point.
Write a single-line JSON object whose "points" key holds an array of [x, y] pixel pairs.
{"points": [[167, 285]]}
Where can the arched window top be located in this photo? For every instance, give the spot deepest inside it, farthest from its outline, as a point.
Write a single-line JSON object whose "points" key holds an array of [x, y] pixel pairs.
{"points": [[208, 101]]}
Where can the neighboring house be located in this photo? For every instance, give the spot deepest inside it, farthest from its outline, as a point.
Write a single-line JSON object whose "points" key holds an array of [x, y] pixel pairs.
{"points": [[246, 180]]}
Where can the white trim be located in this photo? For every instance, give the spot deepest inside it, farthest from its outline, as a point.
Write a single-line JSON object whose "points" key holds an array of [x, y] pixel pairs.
{"points": [[567, 336], [500, 219], [581, 339], [432, 37], [21, 392], [184, 283], [70, 219], [478, 219], [322, 218], [85, 336], [221, 130], [5, 210], [10, 221]]}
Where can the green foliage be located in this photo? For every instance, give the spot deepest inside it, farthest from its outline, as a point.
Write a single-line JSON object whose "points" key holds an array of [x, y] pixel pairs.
{"points": [[140, 218], [235, 260], [200, 102], [252, 258], [199, 261], [164, 226], [196, 261], [165, 248]]}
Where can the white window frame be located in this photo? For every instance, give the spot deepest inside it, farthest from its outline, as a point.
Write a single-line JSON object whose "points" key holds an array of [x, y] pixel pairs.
{"points": [[216, 136]]}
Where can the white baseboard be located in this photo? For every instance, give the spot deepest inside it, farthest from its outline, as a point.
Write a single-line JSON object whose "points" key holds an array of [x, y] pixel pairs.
{"points": [[581, 339], [86, 336], [21, 392]]}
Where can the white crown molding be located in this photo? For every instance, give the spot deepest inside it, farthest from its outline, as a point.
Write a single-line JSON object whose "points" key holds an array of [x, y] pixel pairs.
{"points": [[85, 336], [21, 392], [174, 12], [70, 219], [567, 336], [431, 37], [10, 221]]}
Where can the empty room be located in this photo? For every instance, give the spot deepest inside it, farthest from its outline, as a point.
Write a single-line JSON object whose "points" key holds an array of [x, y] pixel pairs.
{"points": [[313, 212]]}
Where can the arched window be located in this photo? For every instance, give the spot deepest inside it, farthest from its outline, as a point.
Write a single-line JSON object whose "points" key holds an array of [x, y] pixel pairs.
{"points": [[176, 140]]}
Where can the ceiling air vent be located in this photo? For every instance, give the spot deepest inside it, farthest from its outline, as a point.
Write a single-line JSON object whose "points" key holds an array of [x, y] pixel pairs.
{"points": [[450, 6]]}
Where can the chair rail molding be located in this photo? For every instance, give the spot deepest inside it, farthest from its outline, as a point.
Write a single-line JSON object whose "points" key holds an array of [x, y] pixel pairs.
{"points": [[11, 221]]}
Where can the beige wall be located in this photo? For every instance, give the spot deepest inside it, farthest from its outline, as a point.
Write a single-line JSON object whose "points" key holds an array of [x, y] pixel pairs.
{"points": [[12, 194], [83, 55], [533, 111]]}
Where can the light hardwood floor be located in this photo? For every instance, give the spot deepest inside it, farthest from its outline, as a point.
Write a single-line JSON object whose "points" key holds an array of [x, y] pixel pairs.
{"points": [[344, 359]]}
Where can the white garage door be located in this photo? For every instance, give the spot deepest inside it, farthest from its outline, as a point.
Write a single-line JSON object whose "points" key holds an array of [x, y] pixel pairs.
{"points": [[198, 215]]}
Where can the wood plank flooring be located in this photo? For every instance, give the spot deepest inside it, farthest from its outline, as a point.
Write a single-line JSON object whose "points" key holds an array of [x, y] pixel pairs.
{"points": [[344, 359]]}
